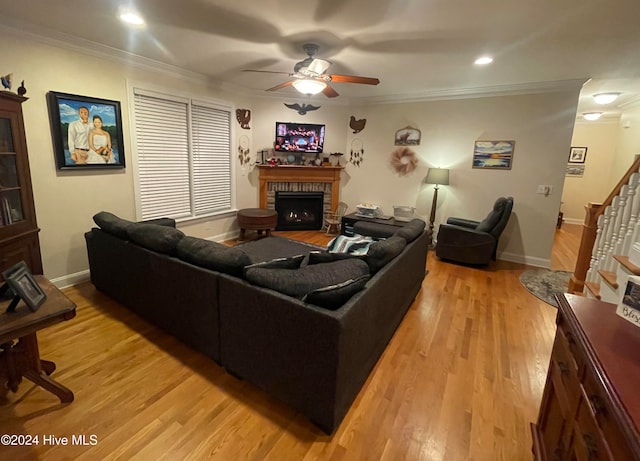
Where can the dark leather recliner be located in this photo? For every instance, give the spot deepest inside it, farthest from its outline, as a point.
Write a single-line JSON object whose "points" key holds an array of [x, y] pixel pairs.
{"points": [[474, 242]]}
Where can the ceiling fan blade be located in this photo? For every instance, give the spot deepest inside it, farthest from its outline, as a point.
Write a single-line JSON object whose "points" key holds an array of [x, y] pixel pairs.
{"points": [[281, 86], [353, 79], [267, 71], [330, 92]]}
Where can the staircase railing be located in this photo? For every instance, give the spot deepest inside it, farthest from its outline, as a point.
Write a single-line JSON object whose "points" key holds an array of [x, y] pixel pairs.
{"points": [[590, 232]]}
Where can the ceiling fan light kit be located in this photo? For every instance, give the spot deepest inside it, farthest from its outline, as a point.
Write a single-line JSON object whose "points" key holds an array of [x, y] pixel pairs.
{"points": [[309, 86], [309, 75]]}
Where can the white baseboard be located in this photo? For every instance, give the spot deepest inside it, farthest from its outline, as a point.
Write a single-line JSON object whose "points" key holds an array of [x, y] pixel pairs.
{"points": [[522, 259], [234, 234], [71, 279], [573, 221]]}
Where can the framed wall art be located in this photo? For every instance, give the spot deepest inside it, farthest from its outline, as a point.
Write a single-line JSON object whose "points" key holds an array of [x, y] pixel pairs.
{"points": [[577, 154], [86, 131], [496, 155], [575, 170], [408, 136]]}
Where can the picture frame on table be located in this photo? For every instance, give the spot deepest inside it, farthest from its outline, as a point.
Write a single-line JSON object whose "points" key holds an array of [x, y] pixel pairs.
{"points": [[20, 280], [86, 132], [577, 154]]}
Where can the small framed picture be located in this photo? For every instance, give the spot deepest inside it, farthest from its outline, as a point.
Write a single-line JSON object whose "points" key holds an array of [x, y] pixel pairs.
{"points": [[408, 136], [21, 281], [577, 154]]}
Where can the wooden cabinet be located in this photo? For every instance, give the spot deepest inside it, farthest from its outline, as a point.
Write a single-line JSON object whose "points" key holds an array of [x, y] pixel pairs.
{"points": [[590, 408], [18, 227]]}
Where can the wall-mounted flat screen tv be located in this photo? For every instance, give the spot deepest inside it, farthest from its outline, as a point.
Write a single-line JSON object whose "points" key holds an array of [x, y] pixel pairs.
{"points": [[299, 137]]}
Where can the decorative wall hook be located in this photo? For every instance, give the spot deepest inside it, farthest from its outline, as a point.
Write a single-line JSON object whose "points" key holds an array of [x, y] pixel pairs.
{"points": [[357, 125], [244, 117], [302, 109]]}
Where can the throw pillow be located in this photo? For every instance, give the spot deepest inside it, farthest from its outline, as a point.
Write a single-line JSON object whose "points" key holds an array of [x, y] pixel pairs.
{"points": [[112, 224], [411, 230], [299, 282], [383, 251], [162, 239], [212, 255], [358, 244], [334, 296]]}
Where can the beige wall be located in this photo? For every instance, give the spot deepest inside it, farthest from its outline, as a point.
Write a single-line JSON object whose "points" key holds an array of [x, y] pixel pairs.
{"points": [[66, 200], [612, 147], [541, 126], [601, 140]]}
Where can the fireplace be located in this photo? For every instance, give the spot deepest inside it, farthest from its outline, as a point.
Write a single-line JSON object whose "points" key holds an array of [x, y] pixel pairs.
{"points": [[299, 210]]}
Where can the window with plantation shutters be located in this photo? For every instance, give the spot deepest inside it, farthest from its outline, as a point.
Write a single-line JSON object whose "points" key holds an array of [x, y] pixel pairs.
{"points": [[183, 156]]}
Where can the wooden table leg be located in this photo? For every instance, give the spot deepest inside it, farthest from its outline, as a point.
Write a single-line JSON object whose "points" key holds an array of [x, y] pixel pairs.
{"points": [[37, 370]]}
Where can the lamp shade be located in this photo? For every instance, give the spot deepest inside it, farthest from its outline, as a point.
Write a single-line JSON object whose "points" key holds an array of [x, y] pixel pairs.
{"points": [[309, 86], [437, 176]]}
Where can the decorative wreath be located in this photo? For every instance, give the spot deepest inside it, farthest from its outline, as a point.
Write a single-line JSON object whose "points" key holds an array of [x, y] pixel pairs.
{"points": [[403, 160]]}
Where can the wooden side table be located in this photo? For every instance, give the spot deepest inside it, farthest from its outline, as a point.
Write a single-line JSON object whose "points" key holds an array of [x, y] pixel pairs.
{"points": [[22, 358], [257, 219]]}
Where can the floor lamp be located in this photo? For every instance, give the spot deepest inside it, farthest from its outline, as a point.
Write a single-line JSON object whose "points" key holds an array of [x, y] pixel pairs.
{"points": [[437, 176]]}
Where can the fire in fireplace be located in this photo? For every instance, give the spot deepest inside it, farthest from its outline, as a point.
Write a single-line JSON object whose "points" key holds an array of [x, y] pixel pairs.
{"points": [[299, 210]]}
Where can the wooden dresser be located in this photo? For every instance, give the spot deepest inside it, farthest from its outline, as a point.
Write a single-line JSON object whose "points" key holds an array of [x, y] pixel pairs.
{"points": [[591, 403]]}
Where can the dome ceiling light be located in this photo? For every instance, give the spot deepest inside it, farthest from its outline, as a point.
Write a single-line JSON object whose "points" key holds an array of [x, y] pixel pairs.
{"points": [[605, 98], [591, 116]]}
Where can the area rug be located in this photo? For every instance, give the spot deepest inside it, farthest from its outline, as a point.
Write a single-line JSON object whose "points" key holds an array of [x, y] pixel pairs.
{"points": [[544, 283]]}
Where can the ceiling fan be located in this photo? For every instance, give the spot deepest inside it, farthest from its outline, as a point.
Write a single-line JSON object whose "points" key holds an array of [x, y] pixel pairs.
{"points": [[309, 76]]}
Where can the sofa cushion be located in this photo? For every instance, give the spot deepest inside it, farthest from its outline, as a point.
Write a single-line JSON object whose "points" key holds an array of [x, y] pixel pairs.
{"points": [[321, 257], [411, 230], [299, 282], [212, 255], [375, 230], [383, 251], [112, 224], [358, 244], [334, 296], [292, 262], [154, 237]]}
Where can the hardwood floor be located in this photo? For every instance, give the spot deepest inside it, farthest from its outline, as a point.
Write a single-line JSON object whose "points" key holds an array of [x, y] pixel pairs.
{"points": [[461, 380]]}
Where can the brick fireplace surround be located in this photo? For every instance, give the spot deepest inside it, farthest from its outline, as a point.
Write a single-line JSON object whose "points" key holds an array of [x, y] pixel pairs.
{"points": [[295, 178]]}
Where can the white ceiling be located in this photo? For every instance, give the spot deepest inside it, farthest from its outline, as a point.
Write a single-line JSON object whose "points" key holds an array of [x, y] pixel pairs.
{"points": [[417, 48]]}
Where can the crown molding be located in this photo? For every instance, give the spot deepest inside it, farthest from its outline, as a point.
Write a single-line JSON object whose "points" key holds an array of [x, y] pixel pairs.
{"points": [[87, 47], [97, 50], [478, 92]]}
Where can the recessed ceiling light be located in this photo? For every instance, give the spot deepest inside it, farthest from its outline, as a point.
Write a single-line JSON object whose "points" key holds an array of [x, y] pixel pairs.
{"points": [[605, 98], [132, 18], [592, 115], [483, 60]]}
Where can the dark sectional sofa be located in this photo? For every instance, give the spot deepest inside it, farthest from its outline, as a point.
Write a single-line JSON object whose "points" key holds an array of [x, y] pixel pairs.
{"points": [[305, 325]]}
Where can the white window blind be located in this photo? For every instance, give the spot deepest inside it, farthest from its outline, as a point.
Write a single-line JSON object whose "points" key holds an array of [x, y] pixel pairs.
{"points": [[184, 157]]}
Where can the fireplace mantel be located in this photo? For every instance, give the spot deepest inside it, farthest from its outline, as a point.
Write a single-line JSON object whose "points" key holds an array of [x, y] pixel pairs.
{"points": [[299, 173]]}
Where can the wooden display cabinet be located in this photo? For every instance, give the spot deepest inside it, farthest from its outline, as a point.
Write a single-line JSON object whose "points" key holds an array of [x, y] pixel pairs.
{"points": [[591, 406], [18, 227]]}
